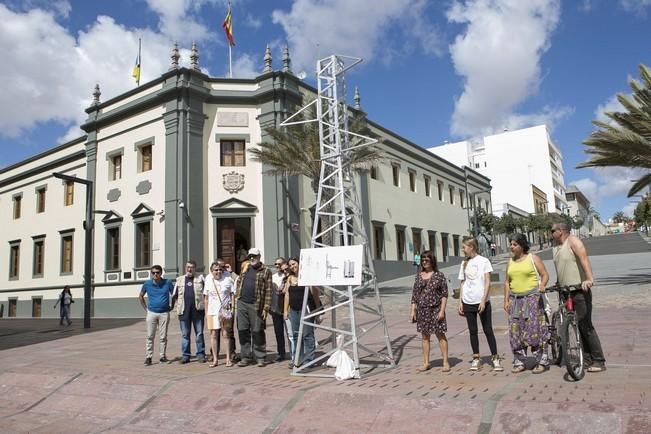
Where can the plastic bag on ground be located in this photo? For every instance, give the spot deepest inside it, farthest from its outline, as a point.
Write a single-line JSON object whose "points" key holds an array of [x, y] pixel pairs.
{"points": [[342, 361]]}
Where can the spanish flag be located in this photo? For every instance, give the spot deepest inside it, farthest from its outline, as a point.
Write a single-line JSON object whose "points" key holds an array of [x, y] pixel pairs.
{"points": [[136, 68], [228, 26]]}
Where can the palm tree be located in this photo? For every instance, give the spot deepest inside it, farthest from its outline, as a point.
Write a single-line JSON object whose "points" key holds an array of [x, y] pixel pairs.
{"points": [[627, 141], [620, 217], [295, 150]]}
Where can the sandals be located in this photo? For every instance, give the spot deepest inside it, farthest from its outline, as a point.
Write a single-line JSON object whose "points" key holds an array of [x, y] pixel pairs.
{"points": [[229, 364], [596, 368], [539, 369], [423, 368], [446, 368], [213, 365], [517, 369]]}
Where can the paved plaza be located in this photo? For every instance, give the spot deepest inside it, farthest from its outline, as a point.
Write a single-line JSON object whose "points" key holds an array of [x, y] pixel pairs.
{"points": [[57, 379]]}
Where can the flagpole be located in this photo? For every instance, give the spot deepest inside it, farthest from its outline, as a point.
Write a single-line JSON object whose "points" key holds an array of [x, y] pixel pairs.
{"points": [[230, 61], [139, 62]]}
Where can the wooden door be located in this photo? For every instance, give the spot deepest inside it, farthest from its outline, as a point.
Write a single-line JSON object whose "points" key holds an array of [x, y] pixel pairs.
{"points": [[226, 241], [432, 242], [36, 307], [12, 307], [444, 246]]}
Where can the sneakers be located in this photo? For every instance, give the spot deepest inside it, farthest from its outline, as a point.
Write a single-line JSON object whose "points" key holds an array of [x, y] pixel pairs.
{"points": [[147, 361], [261, 363], [201, 359], [244, 362], [164, 360], [185, 360], [476, 364], [497, 365]]}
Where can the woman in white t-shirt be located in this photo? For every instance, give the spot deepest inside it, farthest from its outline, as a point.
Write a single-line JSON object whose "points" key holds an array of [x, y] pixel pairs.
{"points": [[218, 292], [475, 277]]}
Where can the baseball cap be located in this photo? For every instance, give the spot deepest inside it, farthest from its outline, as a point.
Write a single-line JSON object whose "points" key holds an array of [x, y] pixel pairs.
{"points": [[254, 251]]}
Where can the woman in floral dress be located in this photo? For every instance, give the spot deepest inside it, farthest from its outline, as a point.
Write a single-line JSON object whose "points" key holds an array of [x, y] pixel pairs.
{"points": [[526, 278], [428, 302]]}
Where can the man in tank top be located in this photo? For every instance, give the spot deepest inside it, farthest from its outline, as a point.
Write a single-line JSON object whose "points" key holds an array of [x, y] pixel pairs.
{"points": [[573, 268]]}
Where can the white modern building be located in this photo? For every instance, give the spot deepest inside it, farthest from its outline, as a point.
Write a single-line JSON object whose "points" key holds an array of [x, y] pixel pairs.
{"points": [[525, 168], [174, 179]]}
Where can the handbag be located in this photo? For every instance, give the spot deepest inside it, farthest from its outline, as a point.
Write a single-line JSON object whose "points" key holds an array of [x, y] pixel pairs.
{"points": [[224, 313]]}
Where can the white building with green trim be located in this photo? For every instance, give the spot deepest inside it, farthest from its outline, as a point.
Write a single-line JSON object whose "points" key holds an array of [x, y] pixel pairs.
{"points": [[173, 180]]}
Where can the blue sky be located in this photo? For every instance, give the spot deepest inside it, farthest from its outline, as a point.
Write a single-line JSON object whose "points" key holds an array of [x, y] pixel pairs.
{"points": [[432, 71]]}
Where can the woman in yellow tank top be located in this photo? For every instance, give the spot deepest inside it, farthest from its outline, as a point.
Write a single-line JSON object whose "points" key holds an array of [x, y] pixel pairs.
{"points": [[526, 278]]}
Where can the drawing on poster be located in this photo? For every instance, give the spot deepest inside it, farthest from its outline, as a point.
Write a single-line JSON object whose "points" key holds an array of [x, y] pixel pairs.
{"points": [[331, 266]]}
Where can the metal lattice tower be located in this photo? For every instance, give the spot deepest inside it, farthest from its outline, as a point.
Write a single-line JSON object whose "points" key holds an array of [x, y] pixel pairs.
{"points": [[338, 221]]}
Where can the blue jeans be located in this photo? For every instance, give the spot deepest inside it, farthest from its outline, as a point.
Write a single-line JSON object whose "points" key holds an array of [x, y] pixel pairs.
{"points": [[65, 314], [197, 323], [308, 345]]}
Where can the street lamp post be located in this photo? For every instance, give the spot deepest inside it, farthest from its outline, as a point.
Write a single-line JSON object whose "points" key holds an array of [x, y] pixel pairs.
{"points": [[475, 231], [88, 240]]}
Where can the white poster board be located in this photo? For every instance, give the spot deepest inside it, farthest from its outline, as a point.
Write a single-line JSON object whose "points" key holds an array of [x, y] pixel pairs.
{"points": [[331, 266]]}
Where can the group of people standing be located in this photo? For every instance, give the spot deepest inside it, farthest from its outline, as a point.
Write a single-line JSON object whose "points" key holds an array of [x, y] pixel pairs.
{"points": [[223, 302], [524, 302]]}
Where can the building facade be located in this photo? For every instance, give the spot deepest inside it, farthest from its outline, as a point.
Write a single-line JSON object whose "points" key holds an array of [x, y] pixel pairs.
{"points": [[525, 168], [173, 180], [581, 211]]}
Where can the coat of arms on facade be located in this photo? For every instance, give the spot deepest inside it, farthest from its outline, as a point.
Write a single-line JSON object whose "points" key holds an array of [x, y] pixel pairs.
{"points": [[233, 182]]}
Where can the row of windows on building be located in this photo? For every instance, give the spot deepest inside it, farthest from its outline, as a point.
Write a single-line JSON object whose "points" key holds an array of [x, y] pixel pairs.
{"points": [[416, 241], [143, 251], [41, 192], [232, 153], [427, 181]]}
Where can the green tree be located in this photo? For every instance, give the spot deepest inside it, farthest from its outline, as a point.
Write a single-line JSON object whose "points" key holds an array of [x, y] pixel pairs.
{"points": [[626, 140], [507, 224], [295, 150], [620, 217], [642, 214], [485, 220]]}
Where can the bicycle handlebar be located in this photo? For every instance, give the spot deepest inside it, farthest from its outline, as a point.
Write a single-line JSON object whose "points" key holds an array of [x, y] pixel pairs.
{"points": [[563, 288]]}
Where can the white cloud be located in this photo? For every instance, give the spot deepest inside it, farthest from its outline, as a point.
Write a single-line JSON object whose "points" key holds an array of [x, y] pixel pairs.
{"points": [[638, 6], [53, 72], [61, 8], [549, 116], [176, 21], [253, 22], [629, 209], [245, 67], [606, 182], [318, 28], [499, 55], [612, 105], [585, 6]]}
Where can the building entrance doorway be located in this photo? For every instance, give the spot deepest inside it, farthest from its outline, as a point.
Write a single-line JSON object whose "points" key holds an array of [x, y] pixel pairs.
{"points": [[233, 240]]}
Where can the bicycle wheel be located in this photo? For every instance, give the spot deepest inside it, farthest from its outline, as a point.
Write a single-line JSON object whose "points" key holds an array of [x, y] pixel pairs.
{"points": [[555, 342], [572, 347]]}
